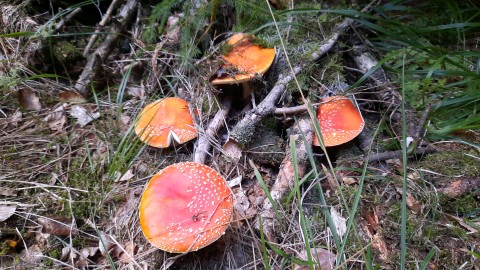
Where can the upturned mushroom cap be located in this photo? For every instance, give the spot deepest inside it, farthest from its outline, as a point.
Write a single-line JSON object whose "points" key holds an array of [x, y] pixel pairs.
{"points": [[340, 121], [185, 207], [247, 58], [165, 121]]}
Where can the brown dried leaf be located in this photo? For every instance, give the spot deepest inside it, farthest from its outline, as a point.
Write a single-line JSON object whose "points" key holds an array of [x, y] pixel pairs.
{"points": [[349, 181], [57, 119], [71, 97], [232, 150], [321, 256], [412, 204], [331, 180], [57, 226], [6, 211], [138, 91], [29, 100]]}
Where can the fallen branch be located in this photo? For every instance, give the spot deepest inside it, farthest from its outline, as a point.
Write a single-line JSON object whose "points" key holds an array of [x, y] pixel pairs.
{"points": [[100, 26], [96, 60], [204, 140], [398, 154], [285, 178]]}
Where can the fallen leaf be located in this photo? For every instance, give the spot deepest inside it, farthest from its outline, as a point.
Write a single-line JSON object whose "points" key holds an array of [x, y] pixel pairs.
{"points": [[136, 91], [71, 97], [232, 150], [412, 204], [105, 243], [330, 178], [6, 211], [57, 226], [349, 181], [339, 221], [372, 222], [29, 100], [235, 181], [57, 119], [83, 116], [125, 177], [321, 256], [241, 202]]}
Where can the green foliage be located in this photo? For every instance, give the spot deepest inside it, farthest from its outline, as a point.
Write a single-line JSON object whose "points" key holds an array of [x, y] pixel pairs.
{"points": [[250, 15], [157, 19]]}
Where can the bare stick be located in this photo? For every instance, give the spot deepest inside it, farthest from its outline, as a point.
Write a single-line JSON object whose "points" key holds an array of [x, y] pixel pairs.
{"points": [[62, 22], [203, 146], [100, 26], [398, 154], [94, 63], [285, 177]]}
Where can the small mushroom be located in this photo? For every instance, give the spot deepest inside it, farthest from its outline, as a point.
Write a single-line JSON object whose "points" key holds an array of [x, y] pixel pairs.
{"points": [[164, 122], [185, 207], [340, 121], [243, 62]]}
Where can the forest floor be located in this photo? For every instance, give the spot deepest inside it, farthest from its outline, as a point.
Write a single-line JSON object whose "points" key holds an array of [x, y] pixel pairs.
{"points": [[404, 194]]}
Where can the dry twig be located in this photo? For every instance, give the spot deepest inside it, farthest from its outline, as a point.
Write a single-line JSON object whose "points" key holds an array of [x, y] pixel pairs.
{"points": [[285, 177], [203, 145], [96, 60]]}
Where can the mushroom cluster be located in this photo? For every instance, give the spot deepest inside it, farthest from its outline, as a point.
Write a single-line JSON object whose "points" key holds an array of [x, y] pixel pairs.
{"points": [[340, 121], [185, 207]]}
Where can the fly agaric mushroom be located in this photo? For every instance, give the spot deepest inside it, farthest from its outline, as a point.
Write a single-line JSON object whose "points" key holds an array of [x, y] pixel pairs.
{"points": [[246, 60], [340, 121], [164, 122], [185, 207]]}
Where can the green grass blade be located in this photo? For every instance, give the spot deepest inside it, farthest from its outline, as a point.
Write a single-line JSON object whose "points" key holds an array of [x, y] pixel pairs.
{"points": [[403, 232]]}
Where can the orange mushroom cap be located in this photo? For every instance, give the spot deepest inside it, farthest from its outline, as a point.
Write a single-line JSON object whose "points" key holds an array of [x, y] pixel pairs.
{"points": [[164, 121], [185, 207], [340, 121], [248, 58]]}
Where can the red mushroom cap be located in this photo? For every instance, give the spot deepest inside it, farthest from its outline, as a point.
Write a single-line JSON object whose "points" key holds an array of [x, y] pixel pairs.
{"points": [[164, 121], [248, 58], [340, 121], [185, 207]]}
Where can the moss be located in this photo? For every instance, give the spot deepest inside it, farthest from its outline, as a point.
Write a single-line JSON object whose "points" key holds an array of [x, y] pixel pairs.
{"points": [[462, 204], [64, 51], [452, 163]]}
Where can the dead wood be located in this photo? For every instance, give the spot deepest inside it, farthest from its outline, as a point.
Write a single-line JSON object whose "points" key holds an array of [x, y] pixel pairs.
{"points": [[398, 154], [95, 61], [285, 178], [101, 24], [207, 137]]}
